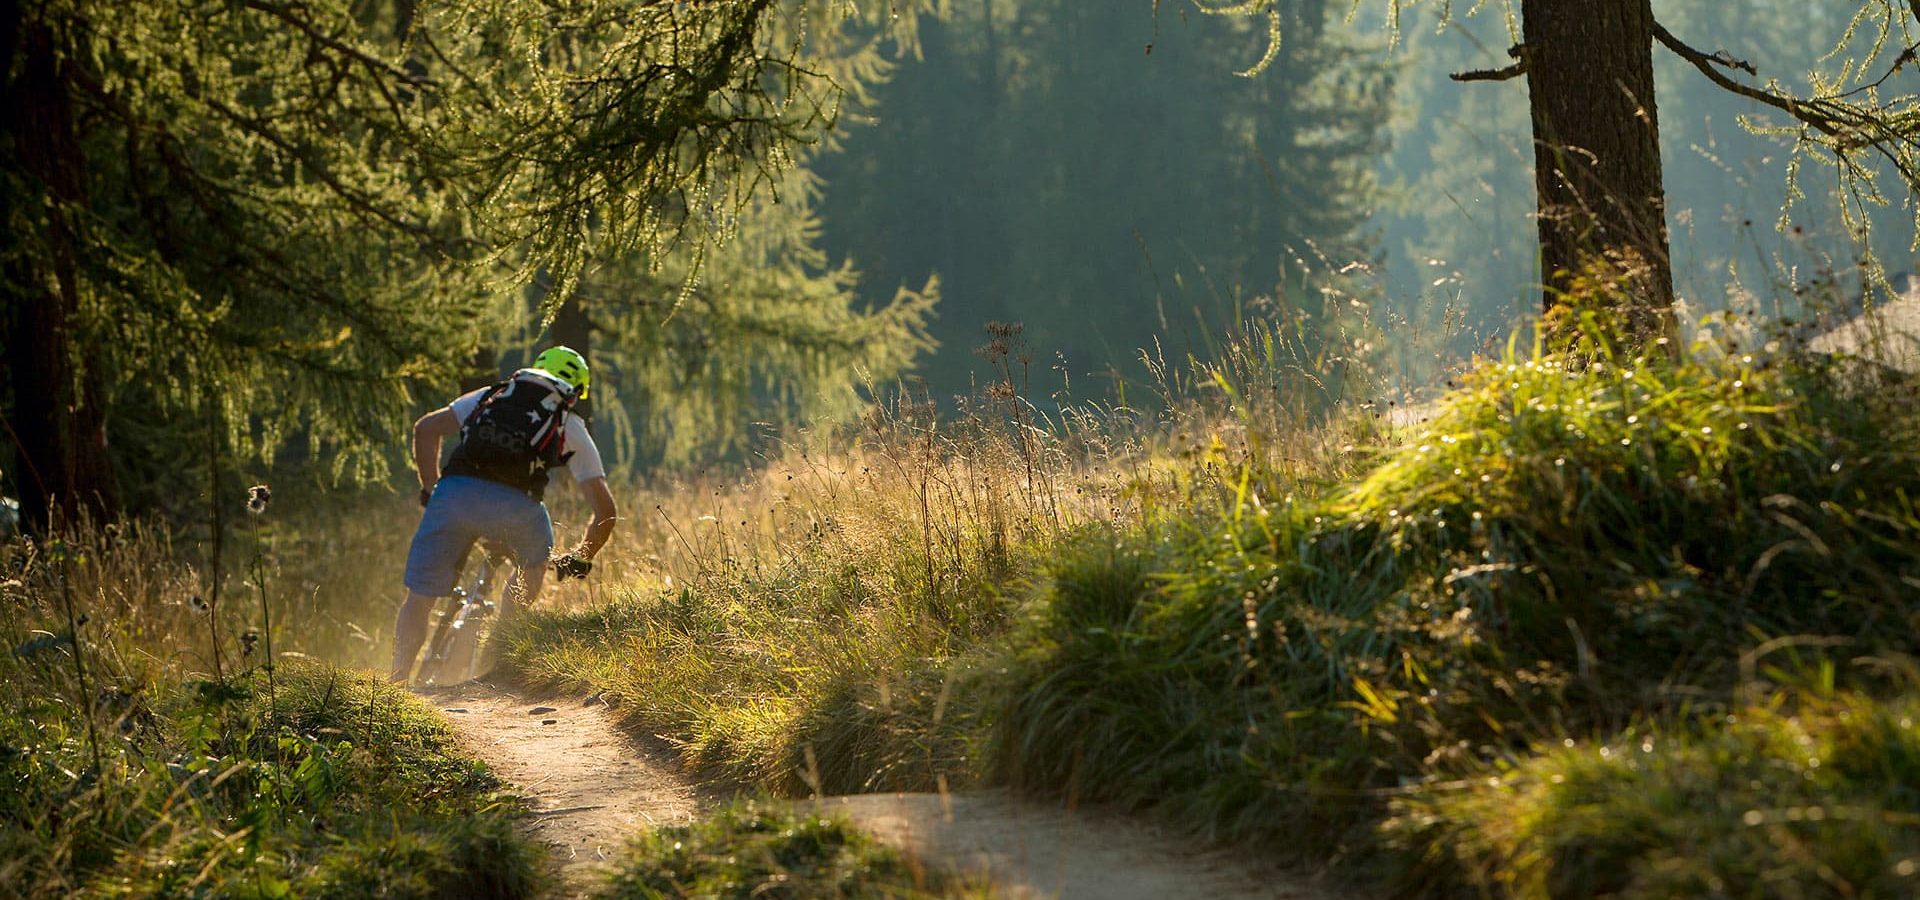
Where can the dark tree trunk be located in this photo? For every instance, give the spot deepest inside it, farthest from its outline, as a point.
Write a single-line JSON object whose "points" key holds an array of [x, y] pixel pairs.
{"points": [[482, 370], [572, 327], [57, 415], [1596, 135]]}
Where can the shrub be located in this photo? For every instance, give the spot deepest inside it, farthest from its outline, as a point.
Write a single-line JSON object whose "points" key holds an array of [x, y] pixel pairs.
{"points": [[1808, 794]]}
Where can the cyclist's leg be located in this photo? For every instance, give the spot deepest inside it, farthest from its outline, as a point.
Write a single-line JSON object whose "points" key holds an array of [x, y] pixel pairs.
{"points": [[409, 632], [447, 530], [528, 534], [524, 589]]}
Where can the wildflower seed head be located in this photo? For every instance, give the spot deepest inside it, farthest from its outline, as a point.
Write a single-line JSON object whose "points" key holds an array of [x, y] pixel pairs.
{"points": [[257, 498]]}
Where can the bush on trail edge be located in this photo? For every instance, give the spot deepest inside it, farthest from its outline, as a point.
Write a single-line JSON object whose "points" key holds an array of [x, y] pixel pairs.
{"points": [[753, 851], [1566, 550], [1813, 793]]}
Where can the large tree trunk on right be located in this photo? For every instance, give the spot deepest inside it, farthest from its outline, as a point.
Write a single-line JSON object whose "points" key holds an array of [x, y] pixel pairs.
{"points": [[1596, 134]]}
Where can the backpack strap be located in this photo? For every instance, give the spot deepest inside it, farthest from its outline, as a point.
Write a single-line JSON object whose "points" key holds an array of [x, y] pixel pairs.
{"points": [[485, 400]]}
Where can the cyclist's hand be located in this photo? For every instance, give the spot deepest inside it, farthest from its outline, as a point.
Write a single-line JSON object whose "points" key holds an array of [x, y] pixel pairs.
{"points": [[572, 566]]}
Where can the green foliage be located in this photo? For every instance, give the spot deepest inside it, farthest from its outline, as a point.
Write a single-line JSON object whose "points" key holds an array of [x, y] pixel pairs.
{"points": [[761, 332], [1329, 647], [1565, 549], [747, 850], [339, 790], [131, 770], [239, 224], [1809, 794]]}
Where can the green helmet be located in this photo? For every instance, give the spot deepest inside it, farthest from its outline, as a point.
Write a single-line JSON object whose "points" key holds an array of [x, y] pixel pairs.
{"points": [[566, 364]]}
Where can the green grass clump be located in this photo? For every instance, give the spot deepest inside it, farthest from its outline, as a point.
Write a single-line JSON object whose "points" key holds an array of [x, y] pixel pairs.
{"points": [[1807, 795], [1278, 642], [127, 769], [752, 851], [343, 790], [799, 682], [1566, 550]]}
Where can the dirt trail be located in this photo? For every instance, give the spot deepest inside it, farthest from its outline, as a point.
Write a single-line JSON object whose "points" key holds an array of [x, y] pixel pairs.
{"points": [[592, 788], [1030, 849], [590, 785]]}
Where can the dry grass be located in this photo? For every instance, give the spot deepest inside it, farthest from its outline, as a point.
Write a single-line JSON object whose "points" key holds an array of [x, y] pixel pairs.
{"points": [[150, 748]]}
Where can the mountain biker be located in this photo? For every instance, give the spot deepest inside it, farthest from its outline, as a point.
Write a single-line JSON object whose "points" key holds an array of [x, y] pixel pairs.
{"points": [[511, 433]]}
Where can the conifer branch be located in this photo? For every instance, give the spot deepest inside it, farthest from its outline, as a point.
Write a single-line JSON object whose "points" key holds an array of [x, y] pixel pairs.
{"points": [[1519, 68], [1507, 74], [372, 63], [1847, 126], [357, 199]]}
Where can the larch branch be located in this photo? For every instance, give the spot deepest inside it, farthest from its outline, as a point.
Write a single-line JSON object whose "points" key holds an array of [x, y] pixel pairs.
{"points": [[1507, 74]]}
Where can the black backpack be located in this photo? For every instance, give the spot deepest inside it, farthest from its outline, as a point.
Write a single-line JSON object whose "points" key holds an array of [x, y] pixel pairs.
{"points": [[517, 432]]}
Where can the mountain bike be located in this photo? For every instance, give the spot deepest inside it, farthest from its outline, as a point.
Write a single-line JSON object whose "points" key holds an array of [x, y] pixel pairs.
{"points": [[453, 652]]}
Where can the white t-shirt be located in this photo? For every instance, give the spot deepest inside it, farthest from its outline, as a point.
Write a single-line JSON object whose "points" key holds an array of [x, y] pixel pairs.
{"points": [[585, 463]]}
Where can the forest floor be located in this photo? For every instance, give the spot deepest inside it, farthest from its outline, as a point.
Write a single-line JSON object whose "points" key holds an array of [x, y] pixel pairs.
{"points": [[592, 787]]}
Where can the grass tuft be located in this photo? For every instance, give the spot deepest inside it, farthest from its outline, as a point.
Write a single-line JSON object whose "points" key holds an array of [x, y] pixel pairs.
{"points": [[754, 851], [130, 770]]}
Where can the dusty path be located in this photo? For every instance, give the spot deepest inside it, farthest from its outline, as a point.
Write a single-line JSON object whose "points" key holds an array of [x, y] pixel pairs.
{"points": [[591, 786], [1030, 849]]}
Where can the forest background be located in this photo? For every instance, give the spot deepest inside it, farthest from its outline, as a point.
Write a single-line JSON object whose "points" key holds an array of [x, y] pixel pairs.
{"points": [[994, 391], [1117, 178], [1107, 178]]}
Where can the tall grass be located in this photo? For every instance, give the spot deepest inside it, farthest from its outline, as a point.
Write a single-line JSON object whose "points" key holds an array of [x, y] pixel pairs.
{"points": [[1284, 613], [149, 747], [834, 618]]}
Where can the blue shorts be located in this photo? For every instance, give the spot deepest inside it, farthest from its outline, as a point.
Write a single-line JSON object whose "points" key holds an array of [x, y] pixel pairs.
{"points": [[463, 510]]}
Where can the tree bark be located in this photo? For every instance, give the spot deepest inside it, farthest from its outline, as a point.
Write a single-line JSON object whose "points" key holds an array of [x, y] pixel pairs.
{"points": [[483, 370], [572, 327], [1596, 133], [57, 416]]}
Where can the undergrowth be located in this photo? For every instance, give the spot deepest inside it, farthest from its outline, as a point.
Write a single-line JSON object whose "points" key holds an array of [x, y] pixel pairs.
{"points": [[1575, 546], [1348, 637], [152, 743], [752, 851], [1812, 792], [833, 621]]}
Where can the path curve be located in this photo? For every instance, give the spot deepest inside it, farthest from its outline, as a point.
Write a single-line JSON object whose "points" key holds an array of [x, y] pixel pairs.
{"points": [[1031, 849], [591, 787]]}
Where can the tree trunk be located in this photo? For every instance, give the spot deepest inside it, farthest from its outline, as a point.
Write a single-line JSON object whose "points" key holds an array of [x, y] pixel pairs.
{"points": [[483, 370], [572, 327], [57, 415], [1596, 134]]}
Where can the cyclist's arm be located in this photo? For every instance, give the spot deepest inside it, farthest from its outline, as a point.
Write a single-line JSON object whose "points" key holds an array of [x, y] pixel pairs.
{"points": [[427, 433], [600, 496]]}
